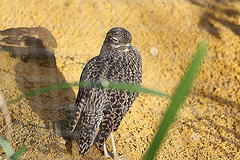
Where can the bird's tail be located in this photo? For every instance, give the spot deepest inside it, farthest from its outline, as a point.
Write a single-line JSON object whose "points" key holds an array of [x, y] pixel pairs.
{"points": [[91, 117], [77, 113], [88, 133]]}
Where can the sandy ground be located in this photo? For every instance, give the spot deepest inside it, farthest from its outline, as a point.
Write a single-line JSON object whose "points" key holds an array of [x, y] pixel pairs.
{"points": [[207, 125]]}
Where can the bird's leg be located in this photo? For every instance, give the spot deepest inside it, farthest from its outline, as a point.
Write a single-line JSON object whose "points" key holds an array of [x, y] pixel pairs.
{"points": [[105, 150], [114, 149], [113, 144]]}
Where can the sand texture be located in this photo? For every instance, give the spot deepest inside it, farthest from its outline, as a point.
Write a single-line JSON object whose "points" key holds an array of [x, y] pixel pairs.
{"points": [[166, 32]]}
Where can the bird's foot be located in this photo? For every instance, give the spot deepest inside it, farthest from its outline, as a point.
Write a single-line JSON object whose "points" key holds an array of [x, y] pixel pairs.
{"points": [[107, 155], [119, 157], [113, 156]]}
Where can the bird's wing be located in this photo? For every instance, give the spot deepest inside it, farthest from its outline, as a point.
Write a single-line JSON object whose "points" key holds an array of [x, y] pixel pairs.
{"points": [[87, 75], [89, 104]]}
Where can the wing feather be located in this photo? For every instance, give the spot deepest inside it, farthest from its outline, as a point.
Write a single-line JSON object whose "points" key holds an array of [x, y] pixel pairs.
{"points": [[89, 104]]}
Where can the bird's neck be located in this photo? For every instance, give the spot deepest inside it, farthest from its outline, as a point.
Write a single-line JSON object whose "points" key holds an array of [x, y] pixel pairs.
{"points": [[109, 51]]}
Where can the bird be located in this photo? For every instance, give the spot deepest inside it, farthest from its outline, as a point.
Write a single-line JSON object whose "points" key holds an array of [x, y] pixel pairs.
{"points": [[100, 110]]}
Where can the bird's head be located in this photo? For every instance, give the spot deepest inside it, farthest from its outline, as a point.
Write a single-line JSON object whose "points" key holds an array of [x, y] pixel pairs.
{"points": [[118, 37]]}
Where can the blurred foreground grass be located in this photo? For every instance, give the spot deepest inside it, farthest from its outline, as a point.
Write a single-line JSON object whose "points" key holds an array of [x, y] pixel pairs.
{"points": [[177, 99], [9, 151]]}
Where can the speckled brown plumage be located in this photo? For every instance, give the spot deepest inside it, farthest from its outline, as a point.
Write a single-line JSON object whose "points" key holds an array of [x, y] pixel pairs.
{"points": [[100, 110]]}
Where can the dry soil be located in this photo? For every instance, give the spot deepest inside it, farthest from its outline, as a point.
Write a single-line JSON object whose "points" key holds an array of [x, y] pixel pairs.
{"points": [[207, 125]]}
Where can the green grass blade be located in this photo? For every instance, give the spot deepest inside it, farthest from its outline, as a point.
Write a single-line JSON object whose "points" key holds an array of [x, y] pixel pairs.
{"points": [[18, 153], [177, 99], [43, 90], [6, 147], [55, 87], [136, 88]]}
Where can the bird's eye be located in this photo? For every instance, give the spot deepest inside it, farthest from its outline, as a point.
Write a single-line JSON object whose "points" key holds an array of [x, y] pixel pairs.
{"points": [[115, 40]]}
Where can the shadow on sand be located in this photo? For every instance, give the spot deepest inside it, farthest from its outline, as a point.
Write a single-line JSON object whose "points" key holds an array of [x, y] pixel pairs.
{"points": [[209, 16], [35, 46]]}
